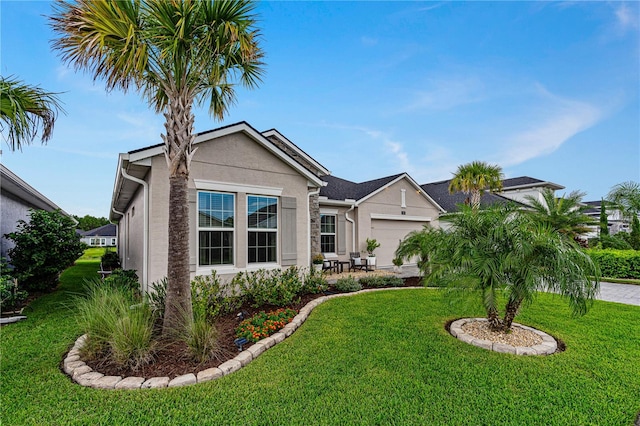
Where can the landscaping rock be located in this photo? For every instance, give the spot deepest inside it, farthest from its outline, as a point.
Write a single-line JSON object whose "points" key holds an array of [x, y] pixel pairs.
{"points": [[70, 366], [130, 383], [106, 382], [520, 350], [230, 366], [81, 370], [503, 348], [278, 337], [268, 342], [156, 383], [87, 378], [209, 374], [184, 380], [70, 358], [485, 344], [257, 349], [244, 357]]}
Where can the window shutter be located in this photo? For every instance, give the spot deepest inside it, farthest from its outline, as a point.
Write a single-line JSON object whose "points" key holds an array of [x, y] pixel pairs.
{"points": [[288, 224], [342, 232]]}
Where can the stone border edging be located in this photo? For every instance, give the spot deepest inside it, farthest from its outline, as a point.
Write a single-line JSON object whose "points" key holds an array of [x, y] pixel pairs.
{"points": [[84, 375], [548, 346]]}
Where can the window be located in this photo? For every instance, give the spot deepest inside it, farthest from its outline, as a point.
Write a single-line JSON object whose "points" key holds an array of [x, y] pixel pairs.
{"points": [[327, 233], [113, 241], [262, 224], [216, 213]]}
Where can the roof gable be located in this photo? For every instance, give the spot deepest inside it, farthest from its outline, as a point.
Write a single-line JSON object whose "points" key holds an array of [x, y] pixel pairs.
{"points": [[102, 231]]}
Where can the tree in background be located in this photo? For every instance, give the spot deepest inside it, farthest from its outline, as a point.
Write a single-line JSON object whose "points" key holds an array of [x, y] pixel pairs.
{"points": [[176, 53], [626, 197], [475, 177], [44, 247], [24, 110], [604, 221], [634, 237], [564, 214], [88, 222]]}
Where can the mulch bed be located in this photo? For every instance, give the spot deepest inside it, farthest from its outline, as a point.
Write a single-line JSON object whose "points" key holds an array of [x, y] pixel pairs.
{"points": [[172, 359]]}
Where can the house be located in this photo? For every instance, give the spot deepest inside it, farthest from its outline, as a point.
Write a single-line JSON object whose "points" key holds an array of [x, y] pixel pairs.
{"points": [[256, 200], [616, 221], [103, 236], [16, 199], [517, 189]]}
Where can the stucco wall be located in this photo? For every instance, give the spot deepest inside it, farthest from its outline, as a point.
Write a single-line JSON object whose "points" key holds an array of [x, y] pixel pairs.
{"points": [[11, 211], [233, 159], [131, 234]]}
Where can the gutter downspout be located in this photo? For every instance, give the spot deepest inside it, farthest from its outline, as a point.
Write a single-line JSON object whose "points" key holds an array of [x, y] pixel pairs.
{"points": [[145, 242], [353, 227], [123, 252]]}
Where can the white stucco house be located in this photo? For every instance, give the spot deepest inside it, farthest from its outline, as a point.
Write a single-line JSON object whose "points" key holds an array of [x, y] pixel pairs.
{"points": [[103, 236]]}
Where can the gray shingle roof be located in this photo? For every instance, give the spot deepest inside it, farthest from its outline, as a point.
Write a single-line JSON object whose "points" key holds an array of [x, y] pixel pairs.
{"points": [[108, 230], [439, 191], [342, 189], [522, 180]]}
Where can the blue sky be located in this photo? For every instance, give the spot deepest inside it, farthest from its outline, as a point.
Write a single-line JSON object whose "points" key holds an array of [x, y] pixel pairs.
{"points": [[544, 89]]}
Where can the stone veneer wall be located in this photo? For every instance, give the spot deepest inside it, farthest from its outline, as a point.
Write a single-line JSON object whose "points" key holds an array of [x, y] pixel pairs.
{"points": [[314, 215]]}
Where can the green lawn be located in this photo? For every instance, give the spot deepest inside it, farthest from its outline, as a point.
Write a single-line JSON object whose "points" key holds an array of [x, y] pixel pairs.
{"points": [[377, 358]]}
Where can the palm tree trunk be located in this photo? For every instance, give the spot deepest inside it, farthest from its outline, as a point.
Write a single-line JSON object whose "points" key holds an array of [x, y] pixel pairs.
{"points": [[511, 312], [475, 199], [178, 152], [494, 321]]}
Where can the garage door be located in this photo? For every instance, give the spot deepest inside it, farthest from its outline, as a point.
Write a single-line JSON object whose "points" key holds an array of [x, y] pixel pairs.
{"points": [[389, 233]]}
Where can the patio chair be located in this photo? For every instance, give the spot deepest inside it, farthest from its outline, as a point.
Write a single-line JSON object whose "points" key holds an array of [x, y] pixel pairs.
{"points": [[330, 262], [357, 262]]}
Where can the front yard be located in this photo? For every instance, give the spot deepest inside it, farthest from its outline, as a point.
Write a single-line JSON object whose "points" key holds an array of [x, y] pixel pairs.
{"points": [[377, 358]]}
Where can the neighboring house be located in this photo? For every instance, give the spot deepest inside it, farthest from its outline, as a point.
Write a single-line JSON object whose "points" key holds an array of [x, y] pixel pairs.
{"points": [[258, 201], [616, 222], [519, 188], [104, 236], [439, 191], [16, 199]]}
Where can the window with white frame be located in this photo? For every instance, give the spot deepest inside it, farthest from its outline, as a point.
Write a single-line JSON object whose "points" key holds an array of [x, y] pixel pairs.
{"points": [[216, 226], [328, 233], [262, 224]]}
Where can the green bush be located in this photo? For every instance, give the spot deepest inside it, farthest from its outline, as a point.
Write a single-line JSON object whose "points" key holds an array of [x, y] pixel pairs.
{"points": [[378, 281], [126, 279], [275, 287], [11, 296], [44, 247], [156, 297], [617, 242], [617, 263], [210, 298], [115, 325], [314, 282], [348, 284], [110, 260]]}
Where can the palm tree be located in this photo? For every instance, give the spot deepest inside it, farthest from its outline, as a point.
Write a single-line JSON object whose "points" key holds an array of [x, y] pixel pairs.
{"points": [[626, 196], [564, 214], [502, 250], [475, 177], [421, 244], [176, 53], [24, 109]]}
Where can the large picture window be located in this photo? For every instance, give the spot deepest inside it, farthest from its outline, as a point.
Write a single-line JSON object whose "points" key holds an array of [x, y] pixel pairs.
{"points": [[262, 224], [328, 233], [216, 225]]}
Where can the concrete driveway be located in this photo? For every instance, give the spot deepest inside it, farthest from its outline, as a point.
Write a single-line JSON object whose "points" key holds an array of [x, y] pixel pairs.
{"points": [[628, 294]]}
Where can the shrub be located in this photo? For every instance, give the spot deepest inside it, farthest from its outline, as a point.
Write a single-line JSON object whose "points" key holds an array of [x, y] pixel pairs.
{"points": [[264, 324], [112, 324], [348, 284], [126, 279], [617, 263], [276, 287], [45, 247], [314, 282], [110, 260], [210, 298], [156, 297], [10, 295], [617, 242], [381, 281]]}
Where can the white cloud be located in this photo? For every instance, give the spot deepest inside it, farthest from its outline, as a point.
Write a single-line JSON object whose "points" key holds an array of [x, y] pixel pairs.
{"points": [[626, 17], [448, 93], [368, 41], [563, 119]]}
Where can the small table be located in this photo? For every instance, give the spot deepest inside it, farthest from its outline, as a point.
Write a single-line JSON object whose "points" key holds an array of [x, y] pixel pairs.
{"points": [[340, 265]]}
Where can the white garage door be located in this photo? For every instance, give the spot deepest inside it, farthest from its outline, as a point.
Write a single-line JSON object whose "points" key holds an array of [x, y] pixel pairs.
{"points": [[389, 233]]}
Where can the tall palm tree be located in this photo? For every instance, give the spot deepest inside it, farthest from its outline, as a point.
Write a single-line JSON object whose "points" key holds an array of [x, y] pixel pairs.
{"points": [[503, 250], [564, 214], [626, 196], [24, 109], [475, 177], [175, 53]]}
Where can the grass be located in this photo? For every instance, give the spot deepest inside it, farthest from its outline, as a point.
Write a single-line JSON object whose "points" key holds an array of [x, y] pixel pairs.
{"points": [[376, 358]]}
